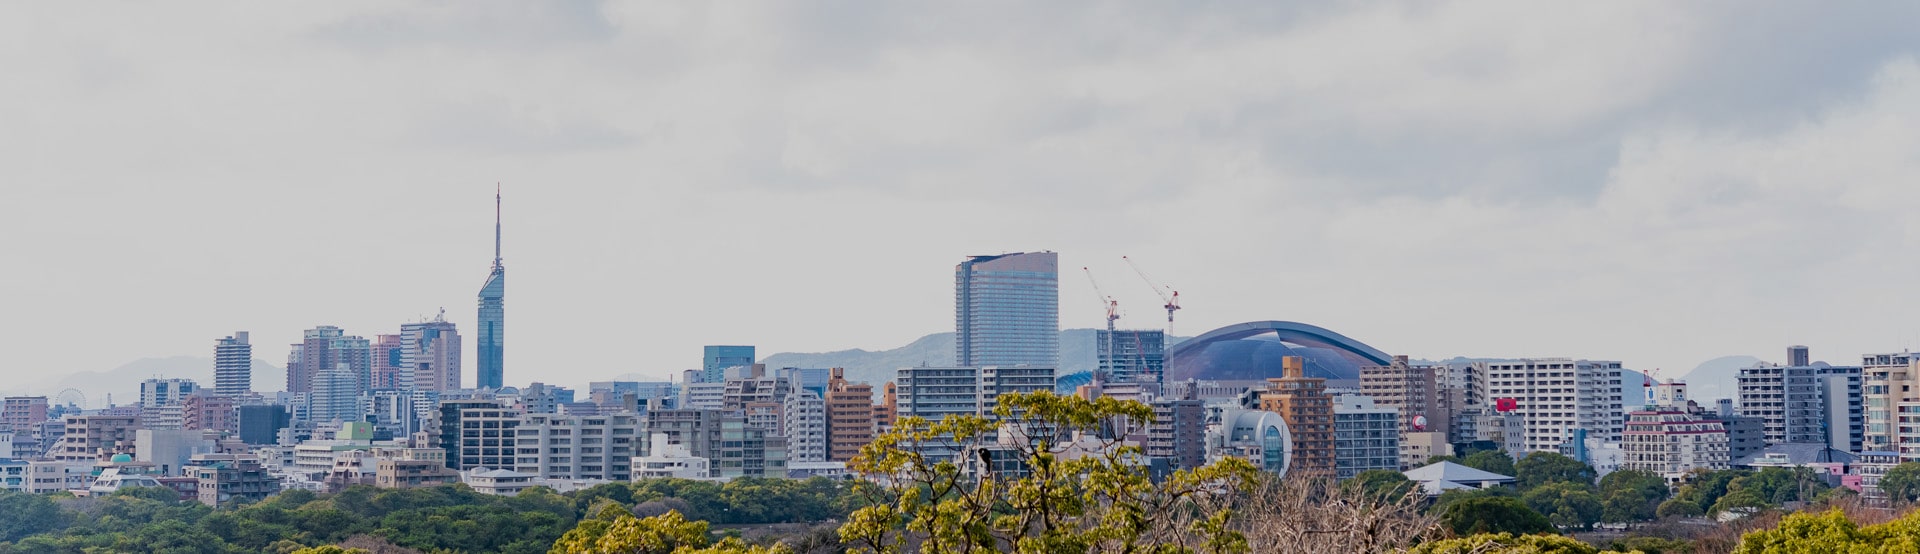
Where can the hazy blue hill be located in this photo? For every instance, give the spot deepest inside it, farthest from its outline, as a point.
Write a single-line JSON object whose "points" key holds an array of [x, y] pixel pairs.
{"points": [[124, 382], [1077, 353], [1716, 378]]}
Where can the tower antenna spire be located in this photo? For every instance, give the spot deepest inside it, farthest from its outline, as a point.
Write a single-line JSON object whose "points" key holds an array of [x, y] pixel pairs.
{"points": [[496, 224]]}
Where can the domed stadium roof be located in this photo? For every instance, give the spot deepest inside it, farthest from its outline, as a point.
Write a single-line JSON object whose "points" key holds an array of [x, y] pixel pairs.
{"points": [[1253, 351]]}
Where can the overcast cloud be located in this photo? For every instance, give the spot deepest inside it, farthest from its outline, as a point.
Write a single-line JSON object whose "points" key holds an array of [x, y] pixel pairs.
{"points": [[1655, 182]]}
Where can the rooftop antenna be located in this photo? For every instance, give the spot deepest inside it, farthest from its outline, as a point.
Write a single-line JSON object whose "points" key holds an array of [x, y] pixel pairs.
{"points": [[496, 225]]}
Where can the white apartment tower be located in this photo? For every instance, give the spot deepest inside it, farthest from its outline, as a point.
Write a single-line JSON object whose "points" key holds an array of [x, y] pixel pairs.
{"points": [[233, 365], [806, 426], [1557, 395], [577, 447]]}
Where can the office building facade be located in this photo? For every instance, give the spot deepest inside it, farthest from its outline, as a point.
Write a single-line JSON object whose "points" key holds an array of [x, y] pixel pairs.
{"points": [[430, 355], [1007, 310], [715, 359]]}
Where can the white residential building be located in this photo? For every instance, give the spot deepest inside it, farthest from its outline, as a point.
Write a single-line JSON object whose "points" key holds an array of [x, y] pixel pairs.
{"points": [[576, 447], [1557, 395], [668, 460], [806, 427], [1671, 443], [703, 396], [1365, 436], [936, 392]]}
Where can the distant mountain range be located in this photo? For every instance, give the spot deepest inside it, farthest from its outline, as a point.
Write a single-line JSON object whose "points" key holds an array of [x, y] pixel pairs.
{"points": [[1077, 353], [1716, 378], [123, 383]]}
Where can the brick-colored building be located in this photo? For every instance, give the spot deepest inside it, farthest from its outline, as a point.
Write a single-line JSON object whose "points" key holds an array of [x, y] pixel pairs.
{"points": [[850, 412], [1303, 402], [94, 437], [208, 412]]}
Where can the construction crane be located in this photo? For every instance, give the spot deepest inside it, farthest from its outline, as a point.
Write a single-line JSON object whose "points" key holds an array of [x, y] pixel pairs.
{"points": [[1167, 294], [1113, 306]]}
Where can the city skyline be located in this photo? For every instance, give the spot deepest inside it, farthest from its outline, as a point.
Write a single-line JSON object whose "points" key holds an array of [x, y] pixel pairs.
{"points": [[1516, 190]]}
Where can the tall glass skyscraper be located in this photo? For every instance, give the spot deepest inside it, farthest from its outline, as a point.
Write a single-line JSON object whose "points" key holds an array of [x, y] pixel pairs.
{"points": [[1007, 310], [493, 315]]}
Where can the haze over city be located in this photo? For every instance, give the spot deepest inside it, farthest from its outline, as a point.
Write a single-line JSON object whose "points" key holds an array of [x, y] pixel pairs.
{"points": [[1655, 183]]}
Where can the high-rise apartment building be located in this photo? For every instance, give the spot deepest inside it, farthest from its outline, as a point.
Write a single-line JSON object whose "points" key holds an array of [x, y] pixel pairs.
{"points": [[233, 365], [210, 412], [1178, 433], [493, 316], [887, 410], [1424, 406], [1672, 443], [386, 372], [1558, 395], [1127, 356], [715, 360], [91, 438], [430, 355], [577, 447], [1365, 436], [479, 433], [335, 396], [805, 426], [23, 414], [934, 393], [1805, 404], [1007, 310], [849, 411], [1303, 402], [323, 348], [734, 448], [1892, 403]]}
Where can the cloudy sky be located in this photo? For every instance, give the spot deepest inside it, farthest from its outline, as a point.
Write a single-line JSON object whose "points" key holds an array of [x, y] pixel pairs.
{"points": [[1655, 182]]}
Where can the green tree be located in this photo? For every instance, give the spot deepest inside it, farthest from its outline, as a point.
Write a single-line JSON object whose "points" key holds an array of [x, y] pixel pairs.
{"points": [[1494, 515], [1833, 532], [1902, 482], [26, 515], [1490, 460], [669, 533], [1679, 507], [1381, 483], [1540, 468], [1630, 495], [1075, 493], [1507, 543], [1567, 505]]}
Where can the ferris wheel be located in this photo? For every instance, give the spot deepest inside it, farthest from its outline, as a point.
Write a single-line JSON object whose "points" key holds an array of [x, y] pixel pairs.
{"points": [[71, 397]]}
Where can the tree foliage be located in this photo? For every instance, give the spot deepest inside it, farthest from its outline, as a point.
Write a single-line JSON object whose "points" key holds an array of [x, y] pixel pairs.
{"points": [[1494, 461], [1507, 543], [1902, 482], [1630, 495], [615, 531], [1831, 531], [1540, 468], [1072, 493], [1494, 514], [1566, 504]]}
